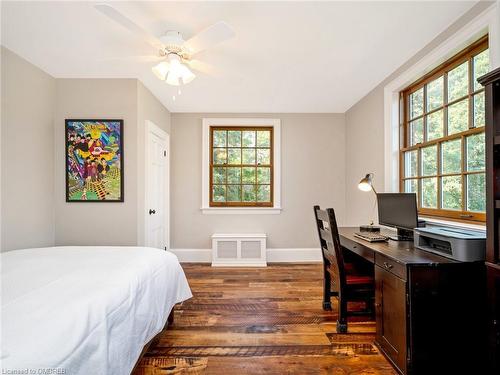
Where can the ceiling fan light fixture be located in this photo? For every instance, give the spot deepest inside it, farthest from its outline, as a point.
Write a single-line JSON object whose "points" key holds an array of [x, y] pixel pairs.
{"points": [[161, 70], [187, 75], [174, 72], [172, 79], [172, 45]]}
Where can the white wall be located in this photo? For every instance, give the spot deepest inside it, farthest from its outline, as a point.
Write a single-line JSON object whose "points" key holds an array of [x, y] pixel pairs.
{"points": [[364, 154], [312, 172], [27, 146], [127, 99], [97, 223]]}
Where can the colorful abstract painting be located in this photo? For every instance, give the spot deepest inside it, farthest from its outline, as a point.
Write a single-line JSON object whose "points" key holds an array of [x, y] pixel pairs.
{"points": [[94, 160]]}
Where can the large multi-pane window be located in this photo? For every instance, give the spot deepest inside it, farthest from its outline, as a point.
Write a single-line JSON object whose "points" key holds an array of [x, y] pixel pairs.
{"points": [[241, 166], [442, 137]]}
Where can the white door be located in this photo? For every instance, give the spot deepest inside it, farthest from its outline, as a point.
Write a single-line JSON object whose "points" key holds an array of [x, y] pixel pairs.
{"points": [[156, 187]]}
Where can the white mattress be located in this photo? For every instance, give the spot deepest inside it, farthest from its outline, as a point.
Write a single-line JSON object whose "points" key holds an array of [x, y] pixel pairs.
{"points": [[85, 310]]}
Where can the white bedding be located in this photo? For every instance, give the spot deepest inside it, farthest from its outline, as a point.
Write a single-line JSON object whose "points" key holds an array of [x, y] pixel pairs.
{"points": [[85, 310]]}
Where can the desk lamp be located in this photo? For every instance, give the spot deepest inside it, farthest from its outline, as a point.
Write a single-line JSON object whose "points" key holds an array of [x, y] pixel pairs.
{"points": [[366, 184]]}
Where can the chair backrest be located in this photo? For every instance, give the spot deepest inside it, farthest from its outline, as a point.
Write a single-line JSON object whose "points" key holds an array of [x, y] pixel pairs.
{"points": [[329, 239]]}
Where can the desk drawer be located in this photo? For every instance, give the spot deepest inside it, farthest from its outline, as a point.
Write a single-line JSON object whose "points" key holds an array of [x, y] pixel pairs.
{"points": [[358, 248], [390, 265]]}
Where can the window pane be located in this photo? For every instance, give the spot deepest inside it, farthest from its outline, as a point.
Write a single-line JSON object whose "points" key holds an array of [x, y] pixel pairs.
{"points": [[219, 193], [241, 166], [476, 192], [234, 175], [451, 156], [458, 117], [249, 193], [429, 192], [411, 186], [263, 138], [220, 156], [411, 166], [458, 82], [263, 193], [416, 132], [234, 193], [475, 152], [435, 125], [248, 138], [219, 138], [479, 110], [263, 156], [263, 175], [451, 193], [248, 176], [234, 155], [248, 156], [417, 103], [233, 138], [429, 161], [481, 64], [219, 175], [435, 93]]}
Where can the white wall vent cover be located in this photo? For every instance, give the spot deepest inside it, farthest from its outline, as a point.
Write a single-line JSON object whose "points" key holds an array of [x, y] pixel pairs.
{"points": [[244, 250]]}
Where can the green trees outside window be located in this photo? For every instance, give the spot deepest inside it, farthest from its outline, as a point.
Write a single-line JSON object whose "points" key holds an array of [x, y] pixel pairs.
{"points": [[241, 166]]}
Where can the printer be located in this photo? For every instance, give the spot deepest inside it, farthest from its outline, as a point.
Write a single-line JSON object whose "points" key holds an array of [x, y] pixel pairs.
{"points": [[464, 245]]}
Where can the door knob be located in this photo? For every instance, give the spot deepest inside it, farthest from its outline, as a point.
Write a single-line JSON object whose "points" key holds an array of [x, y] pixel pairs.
{"points": [[152, 212]]}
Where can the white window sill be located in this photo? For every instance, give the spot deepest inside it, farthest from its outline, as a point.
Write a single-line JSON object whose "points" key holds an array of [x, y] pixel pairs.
{"points": [[241, 210], [449, 223]]}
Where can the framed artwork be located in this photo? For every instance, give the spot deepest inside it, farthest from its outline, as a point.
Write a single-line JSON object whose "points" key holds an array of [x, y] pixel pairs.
{"points": [[94, 160]]}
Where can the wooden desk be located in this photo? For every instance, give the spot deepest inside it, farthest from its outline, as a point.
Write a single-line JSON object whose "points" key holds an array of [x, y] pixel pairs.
{"points": [[429, 309]]}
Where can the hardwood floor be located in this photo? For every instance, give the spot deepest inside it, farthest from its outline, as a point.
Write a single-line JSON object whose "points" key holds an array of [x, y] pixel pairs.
{"points": [[260, 321]]}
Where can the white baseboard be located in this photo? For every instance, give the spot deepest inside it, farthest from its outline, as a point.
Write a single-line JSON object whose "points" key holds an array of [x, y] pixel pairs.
{"points": [[193, 255], [297, 255], [237, 264]]}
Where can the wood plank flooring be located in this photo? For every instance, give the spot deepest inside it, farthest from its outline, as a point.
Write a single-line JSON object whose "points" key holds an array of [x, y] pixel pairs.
{"points": [[260, 321]]}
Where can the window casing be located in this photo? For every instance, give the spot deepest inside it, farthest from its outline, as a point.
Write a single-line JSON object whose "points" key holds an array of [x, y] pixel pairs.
{"points": [[442, 137], [241, 166]]}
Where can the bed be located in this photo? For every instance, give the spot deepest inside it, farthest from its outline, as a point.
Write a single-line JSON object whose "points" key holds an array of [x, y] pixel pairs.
{"points": [[85, 310]]}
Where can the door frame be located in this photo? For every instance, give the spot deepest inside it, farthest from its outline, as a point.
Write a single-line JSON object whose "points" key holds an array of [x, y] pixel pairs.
{"points": [[152, 128]]}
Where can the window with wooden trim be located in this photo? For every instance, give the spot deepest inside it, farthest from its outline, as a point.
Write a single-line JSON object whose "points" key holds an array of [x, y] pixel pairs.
{"points": [[442, 155], [241, 166]]}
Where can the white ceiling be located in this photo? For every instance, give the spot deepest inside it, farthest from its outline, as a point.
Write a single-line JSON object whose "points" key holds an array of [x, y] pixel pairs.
{"points": [[286, 56]]}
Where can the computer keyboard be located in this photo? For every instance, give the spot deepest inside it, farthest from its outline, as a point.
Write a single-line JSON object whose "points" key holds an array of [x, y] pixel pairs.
{"points": [[370, 236]]}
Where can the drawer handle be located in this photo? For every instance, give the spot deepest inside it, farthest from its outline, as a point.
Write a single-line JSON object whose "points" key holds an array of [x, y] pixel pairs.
{"points": [[388, 265]]}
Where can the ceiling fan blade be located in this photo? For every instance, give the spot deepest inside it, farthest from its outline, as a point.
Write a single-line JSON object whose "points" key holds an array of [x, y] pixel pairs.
{"points": [[212, 35], [201, 66], [119, 18], [135, 58]]}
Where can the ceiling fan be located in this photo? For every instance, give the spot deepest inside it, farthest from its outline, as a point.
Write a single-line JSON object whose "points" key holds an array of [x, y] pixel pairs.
{"points": [[176, 53]]}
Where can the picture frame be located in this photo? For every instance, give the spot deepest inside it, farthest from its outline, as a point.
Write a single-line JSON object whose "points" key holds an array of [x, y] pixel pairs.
{"points": [[94, 166]]}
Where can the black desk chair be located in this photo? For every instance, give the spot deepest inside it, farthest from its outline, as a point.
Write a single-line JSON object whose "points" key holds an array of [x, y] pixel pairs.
{"points": [[345, 280]]}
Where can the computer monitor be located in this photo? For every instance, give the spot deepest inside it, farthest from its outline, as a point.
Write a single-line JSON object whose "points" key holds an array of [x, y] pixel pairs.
{"points": [[398, 210]]}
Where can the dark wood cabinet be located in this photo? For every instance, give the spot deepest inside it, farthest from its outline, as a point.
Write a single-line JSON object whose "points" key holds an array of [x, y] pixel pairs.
{"points": [[493, 286], [447, 318], [430, 316], [390, 291], [491, 82]]}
